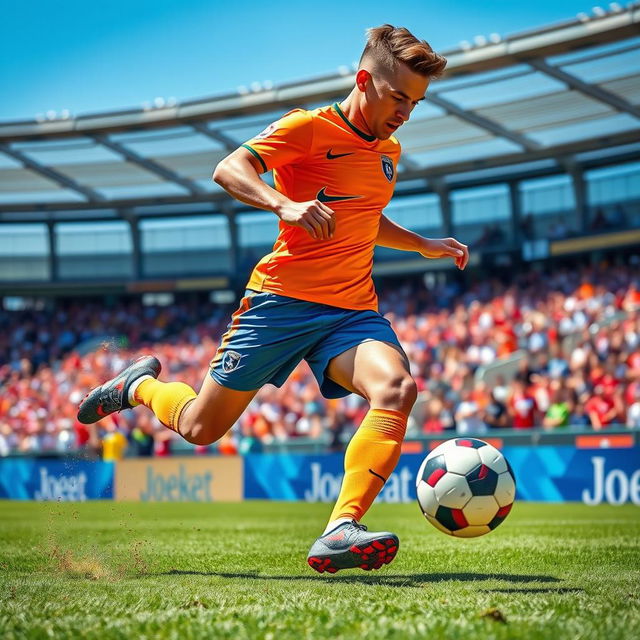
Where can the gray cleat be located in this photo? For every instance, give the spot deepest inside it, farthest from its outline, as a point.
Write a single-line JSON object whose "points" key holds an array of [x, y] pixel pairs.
{"points": [[351, 546], [113, 395]]}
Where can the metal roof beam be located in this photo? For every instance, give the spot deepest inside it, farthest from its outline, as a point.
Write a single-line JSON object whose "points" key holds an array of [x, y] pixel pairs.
{"points": [[52, 174], [429, 172], [408, 163], [229, 143], [484, 123], [149, 165], [591, 90]]}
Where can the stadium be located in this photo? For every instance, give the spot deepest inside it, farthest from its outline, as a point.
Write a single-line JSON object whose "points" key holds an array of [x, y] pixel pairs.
{"points": [[115, 242]]}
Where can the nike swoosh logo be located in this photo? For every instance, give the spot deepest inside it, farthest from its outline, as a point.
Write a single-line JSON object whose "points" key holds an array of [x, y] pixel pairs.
{"points": [[333, 156], [323, 197]]}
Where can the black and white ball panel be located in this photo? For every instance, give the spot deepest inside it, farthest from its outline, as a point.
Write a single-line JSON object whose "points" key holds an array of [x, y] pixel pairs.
{"points": [[427, 499], [465, 487], [461, 460], [472, 443], [505, 489], [493, 458], [432, 470], [480, 510], [482, 480], [452, 490]]}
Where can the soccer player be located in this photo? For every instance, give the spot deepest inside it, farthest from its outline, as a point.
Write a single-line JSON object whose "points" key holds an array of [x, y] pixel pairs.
{"points": [[312, 297]]}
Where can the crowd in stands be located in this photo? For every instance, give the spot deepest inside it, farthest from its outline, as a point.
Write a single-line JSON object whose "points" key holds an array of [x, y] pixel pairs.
{"points": [[573, 336]]}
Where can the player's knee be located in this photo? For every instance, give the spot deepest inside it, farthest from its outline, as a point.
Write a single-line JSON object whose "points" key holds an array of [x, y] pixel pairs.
{"points": [[398, 393], [408, 392]]}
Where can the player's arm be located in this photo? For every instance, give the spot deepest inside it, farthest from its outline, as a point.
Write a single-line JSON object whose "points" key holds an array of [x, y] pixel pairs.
{"points": [[394, 236], [239, 175]]}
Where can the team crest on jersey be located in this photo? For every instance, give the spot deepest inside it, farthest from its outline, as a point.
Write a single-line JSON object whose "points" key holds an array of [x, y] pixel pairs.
{"points": [[266, 132], [387, 167], [230, 361]]}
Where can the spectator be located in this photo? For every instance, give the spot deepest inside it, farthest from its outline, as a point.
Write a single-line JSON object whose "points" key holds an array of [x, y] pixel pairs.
{"points": [[600, 409], [113, 442], [633, 415], [495, 415], [8, 439], [522, 405], [559, 412], [467, 416], [142, 435], [433, 422], [557, 366]]}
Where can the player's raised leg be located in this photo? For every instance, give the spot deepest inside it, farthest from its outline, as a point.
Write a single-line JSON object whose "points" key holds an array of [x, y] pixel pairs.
{"points": [[380, 373], [200, 418]]}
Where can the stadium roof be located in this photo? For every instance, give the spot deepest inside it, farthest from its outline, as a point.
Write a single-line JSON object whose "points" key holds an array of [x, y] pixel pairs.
{"points": [[535, 102]]}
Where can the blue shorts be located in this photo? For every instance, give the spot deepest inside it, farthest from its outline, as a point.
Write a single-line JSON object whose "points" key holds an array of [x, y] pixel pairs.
{"points": [[270, 334]]}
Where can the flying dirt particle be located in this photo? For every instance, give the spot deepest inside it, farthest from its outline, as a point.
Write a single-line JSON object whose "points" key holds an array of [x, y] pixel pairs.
{"points": [[140, 565], [494, 614]]}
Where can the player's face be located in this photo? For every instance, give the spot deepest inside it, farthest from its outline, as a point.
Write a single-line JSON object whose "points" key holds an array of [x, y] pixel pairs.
{"points": [[390, 99]]}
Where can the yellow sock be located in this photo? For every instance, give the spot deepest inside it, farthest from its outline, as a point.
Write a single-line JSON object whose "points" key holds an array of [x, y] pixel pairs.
{"points": [[369, 460], [165, 399]]}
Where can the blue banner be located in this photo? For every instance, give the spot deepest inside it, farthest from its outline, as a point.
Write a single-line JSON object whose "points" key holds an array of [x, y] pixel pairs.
{"points": [[567, 474], [65, 480], [317, 478], [543, 473]]}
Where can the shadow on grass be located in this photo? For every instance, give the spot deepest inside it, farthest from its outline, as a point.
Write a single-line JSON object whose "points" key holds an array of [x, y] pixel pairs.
{"points": [[393, 580]]}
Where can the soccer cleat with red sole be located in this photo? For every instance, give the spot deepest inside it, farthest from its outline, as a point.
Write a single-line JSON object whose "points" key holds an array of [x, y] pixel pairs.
{"points": [[113, 395], [351, 546]]}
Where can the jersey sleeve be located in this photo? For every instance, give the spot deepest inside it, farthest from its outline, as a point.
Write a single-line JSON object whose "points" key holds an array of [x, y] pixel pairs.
{"points": [[286, 141]]}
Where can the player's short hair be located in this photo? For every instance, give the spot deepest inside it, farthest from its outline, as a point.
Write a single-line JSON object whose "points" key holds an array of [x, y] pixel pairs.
{"points": [[391, 45]]}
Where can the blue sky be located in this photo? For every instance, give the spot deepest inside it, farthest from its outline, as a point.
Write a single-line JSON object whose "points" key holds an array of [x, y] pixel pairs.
{"points": [[89, 56]]}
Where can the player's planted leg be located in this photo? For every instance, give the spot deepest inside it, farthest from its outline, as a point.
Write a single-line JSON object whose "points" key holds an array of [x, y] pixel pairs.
{"points": [[378, 372], [370, 458]]}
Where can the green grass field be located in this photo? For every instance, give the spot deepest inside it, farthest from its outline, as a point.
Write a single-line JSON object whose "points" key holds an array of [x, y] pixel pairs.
{"points": [[122, 570]]}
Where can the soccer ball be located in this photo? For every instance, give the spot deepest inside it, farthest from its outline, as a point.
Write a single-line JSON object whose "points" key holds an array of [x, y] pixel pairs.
{"points": [[465, 487]]}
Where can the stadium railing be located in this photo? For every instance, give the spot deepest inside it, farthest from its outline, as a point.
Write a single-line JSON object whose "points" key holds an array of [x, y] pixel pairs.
{"points": [[612, 437]]}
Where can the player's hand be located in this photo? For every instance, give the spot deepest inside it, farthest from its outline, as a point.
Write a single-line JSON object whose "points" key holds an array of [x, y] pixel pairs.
{"points": [[314, 217], [446, 248]]}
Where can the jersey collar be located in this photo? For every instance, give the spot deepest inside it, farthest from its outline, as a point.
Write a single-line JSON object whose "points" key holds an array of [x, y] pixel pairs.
{"points": [[362, 134]]}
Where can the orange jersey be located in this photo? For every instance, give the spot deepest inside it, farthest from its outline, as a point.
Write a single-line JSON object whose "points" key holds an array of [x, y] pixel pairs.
{"points": [[320, 155]]}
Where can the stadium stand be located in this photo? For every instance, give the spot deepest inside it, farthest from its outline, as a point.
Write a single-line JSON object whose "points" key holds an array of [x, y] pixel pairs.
{"points": [[448, 334]]}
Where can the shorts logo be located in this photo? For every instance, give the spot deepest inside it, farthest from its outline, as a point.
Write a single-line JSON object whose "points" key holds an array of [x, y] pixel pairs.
{"points": [[230, 361], [387, 167]]}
